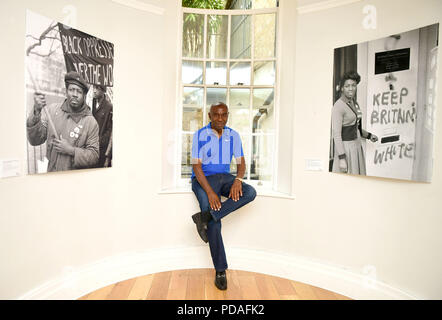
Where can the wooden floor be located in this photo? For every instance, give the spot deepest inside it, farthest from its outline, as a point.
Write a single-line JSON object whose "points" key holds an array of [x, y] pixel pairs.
{"points": [[198, 284]]}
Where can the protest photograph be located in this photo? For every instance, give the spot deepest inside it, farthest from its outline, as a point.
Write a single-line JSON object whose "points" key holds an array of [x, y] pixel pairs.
{"points": [[69, 97], [383, 110]]}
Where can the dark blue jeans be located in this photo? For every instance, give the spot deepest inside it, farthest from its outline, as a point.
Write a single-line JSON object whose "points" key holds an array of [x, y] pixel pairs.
{"points": [[221, 184]]}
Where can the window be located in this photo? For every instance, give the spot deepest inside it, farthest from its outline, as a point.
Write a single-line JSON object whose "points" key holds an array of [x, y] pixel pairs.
{"points": [[230, 56]]}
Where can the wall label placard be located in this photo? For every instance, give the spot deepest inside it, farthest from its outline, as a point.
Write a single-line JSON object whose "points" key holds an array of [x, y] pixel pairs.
{"points": [[392, 61]]}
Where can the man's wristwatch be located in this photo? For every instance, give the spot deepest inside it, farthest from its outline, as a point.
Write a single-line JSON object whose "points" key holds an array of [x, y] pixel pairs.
{"points": [[238, 179]]}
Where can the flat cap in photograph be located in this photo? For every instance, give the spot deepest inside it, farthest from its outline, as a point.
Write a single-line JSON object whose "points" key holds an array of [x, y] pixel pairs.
{"points": [[73, 77]]}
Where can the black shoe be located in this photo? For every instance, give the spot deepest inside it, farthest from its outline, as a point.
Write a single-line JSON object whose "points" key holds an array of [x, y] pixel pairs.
{"points": [[221, 280], [201, 226]]}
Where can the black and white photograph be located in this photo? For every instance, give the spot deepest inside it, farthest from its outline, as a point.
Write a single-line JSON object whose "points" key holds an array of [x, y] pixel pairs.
{"points": [[384, 105], [69, 97]]}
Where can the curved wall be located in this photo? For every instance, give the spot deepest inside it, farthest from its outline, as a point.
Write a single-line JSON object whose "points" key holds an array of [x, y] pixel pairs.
{"points": [[69, 226]]}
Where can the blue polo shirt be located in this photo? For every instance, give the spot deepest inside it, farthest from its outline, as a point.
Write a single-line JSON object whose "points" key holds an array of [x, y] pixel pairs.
{"points": [[215, 153]]}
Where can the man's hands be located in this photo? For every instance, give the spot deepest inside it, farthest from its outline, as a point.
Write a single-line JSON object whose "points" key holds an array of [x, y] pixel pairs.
{"points": [[214, 201], [236, 190], [39, 102], [235, 193], [63, 146]]}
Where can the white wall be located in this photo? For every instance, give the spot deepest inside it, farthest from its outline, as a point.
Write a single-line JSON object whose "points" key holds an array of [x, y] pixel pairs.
{"points": [[55, 223]]}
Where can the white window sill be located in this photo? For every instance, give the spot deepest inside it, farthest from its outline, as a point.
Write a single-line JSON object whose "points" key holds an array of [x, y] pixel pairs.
{"points": [[261, 192]]}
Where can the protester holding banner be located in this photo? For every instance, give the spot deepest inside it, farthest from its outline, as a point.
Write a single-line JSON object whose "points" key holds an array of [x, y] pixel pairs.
{"points": [[70, 130], [62, 63], [347, 129], [102, 110]]}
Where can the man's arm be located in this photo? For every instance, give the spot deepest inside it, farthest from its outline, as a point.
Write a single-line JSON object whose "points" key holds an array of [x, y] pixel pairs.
{"points": [[214, 201], [37, 128], [240, 167], [236, 189]]}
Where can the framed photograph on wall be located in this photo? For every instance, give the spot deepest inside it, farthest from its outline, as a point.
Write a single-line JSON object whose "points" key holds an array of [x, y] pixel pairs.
{"points": [[384, 104], [69, 97]]}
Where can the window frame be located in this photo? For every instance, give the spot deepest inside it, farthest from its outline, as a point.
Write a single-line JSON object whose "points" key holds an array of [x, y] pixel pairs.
{"points": [[259, 184]]}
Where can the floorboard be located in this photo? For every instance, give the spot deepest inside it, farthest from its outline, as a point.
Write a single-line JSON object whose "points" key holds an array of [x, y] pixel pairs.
{"points": [[198, 284]]}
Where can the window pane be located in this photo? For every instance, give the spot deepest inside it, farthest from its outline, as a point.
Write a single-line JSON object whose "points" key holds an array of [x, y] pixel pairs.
{"points": [[239, 98], [264, 73], [239, 112], [263, 110], [217, 36], [192, 108], [265, 35], [239, 4], [245, 146], [239, 119], [186, 154], [193, 35], [192, 72], [216, 73], [240, 37], [240, 73], [262, 158]]}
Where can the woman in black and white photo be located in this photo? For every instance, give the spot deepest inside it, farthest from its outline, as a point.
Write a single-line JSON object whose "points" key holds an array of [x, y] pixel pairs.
{"points": [[347, 129]]}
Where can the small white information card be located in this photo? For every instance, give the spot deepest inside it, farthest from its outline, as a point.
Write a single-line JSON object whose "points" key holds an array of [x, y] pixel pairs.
{"points": [[9, 168], [314, 165]]}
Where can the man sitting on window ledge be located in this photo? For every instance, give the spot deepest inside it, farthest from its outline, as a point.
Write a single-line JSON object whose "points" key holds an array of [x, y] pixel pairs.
{"points": [[212, 151]]}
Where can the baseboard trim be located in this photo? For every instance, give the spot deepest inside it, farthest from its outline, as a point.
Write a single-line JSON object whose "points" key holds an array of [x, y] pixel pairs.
{"points": [[74, 283]]}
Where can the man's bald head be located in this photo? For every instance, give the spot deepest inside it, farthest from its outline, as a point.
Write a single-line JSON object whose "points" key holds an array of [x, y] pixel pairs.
{"points": [[219, 105]]}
